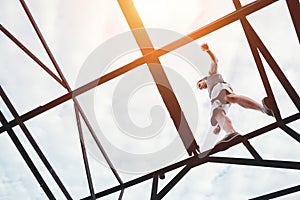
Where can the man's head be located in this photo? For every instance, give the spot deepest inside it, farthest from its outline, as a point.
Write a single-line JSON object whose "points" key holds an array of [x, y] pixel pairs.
{"points": [[202, 84]]}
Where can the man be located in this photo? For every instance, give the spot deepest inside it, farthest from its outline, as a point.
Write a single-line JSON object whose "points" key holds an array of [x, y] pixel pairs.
{"points": [[222, 96]]}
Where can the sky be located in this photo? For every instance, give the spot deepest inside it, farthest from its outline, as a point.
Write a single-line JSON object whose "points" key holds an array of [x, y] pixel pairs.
{"points": [[77, 33]]}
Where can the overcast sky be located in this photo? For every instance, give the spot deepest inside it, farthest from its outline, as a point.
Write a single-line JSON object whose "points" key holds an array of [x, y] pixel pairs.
{"points": [[74, 29]]}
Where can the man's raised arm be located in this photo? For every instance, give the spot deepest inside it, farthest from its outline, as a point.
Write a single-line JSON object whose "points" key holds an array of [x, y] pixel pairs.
{"points": [[214, 63]]}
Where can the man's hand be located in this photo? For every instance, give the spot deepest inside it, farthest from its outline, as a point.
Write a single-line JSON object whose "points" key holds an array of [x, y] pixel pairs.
{"points": [[204, 47]]}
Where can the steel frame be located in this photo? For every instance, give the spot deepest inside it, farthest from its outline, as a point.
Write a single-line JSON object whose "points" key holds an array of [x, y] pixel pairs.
{"points": [[149, 56]]}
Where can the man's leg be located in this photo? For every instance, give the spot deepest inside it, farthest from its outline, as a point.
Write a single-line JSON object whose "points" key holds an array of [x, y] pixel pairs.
{"points": [[224, 122], [244, 102]]}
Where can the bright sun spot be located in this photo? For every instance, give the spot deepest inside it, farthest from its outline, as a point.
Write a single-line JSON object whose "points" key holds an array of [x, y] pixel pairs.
{"points": [[168, 13]]}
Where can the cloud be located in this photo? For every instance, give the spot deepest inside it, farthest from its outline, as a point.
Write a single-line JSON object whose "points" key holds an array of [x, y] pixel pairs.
{"points": [[73, 30]]}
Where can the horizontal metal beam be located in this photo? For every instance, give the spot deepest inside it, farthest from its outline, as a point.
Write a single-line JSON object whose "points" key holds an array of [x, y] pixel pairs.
{"points": [[246, 10], [254, 162]]}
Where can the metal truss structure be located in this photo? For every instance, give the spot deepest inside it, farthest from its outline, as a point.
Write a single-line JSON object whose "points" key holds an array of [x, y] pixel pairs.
{"points": [[151, 55]]}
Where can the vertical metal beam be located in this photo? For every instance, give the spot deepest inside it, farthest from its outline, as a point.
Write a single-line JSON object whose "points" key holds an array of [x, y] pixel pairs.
{"points": [[84, 154], [26, 157], [33, 143], [121, 194], [163, 85], [294, 8], [98, 143], [154, 186]]}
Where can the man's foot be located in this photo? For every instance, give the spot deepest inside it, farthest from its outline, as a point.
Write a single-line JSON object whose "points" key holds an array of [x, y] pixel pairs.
{"points": [[217, 130], [267, 107], [229, 137], [220, 146]]}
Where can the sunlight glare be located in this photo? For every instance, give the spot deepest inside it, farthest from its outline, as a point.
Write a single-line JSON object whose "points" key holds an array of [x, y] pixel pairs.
{"points": [[168, 13]]}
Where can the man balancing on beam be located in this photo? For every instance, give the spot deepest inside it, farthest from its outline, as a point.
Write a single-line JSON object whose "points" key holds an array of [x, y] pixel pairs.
{"points": [[222, 96]]}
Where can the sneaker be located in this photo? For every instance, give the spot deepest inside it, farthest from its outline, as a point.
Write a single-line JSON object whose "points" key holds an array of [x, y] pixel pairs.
{"points": [[267, 107], [228, 137]]}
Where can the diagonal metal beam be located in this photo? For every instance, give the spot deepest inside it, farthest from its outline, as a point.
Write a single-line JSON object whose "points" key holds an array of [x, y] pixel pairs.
{"points": [[84, 154], [121, 194], [250, 35], [26, 158], [30, 54], [252, 150], [173, 182], [272, 126], [246, 10], [278, 72], [291, 132], [255, 42], [43, 41], [34, 144], [156, 69], [97, 141], [195, 160], [278, 193], [67, 86], [294, 8]]}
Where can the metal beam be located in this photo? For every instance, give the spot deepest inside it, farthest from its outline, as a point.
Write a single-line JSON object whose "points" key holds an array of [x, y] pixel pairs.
{"points": [[246, 10], [278, 193], [34, 144], [291, 132], [156, 69], [30, 54], [251, 149], [121, 194], [154, 186], [84, 154], [254, 162], [26, 157], [43, 41], [250, 35], [97, 141], [255, 42], [65, 82], [173, 182], [193, 161], [294, 8]]}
